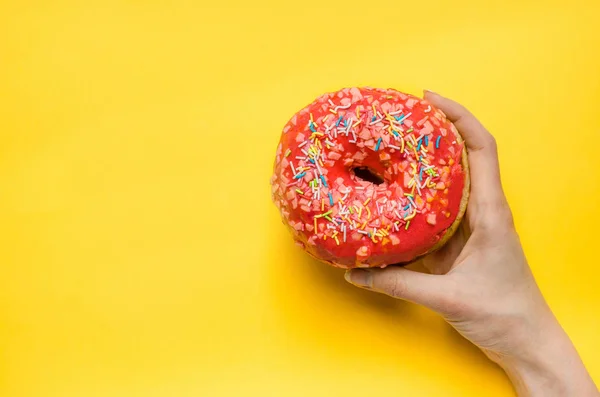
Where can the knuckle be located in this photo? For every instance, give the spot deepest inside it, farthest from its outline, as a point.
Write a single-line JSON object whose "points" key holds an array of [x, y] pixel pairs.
{"points": [[395, 286]]}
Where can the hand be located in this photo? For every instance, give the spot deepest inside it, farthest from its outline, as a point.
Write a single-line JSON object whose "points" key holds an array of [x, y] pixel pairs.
{"points": [[481, 284]]}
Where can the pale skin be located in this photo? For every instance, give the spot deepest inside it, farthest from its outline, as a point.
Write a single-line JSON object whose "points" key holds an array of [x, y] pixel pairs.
{"points": [[481, 283]]}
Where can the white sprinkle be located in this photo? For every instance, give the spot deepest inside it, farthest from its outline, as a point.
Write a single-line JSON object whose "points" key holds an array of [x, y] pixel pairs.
{"points": [[344, 233], [302, 144], [428, 109], [394, 147], [354, 136], [342, 107], [396, 227], [395, 113], [293, 170], [327, 141], [362, 231], [331, 103], [360, 188], [300, 158], [305, 152]]}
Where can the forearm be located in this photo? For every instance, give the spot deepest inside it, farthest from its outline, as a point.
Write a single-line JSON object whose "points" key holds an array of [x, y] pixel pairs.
{"points": [[554, 368]]}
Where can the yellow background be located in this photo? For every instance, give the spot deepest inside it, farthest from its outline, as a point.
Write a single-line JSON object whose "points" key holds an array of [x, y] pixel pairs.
{"points": [[140, 254]]}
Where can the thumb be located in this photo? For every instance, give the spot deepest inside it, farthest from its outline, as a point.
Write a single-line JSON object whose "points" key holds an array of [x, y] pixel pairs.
{"points": [[425, 289]]}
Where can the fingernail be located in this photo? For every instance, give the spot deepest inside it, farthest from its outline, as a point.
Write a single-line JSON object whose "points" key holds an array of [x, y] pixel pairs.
{"points": [[358, 277], [429, 91]]}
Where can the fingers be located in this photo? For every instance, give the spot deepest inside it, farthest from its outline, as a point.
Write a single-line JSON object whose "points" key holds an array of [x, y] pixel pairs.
{"points": [[425, 289], [486, 187]]}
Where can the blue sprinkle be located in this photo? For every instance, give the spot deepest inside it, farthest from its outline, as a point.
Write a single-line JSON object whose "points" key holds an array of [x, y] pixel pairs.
{"points": [[437, 142], [426, 140], [345, 123], [312, 128], [407, 207], [378, 143], [339, 121], [300, 175], [374, 118], [330, 199], [421, 174], [419, 147], [311, 160], [420, 158], [395, 132], [324, 181]]}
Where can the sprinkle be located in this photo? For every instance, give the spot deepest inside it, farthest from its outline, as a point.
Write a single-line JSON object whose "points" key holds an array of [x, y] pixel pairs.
{"points": [[405, 117], [344, 233], [312, 128], [322, 204], [328, 218], [368, 213], [437, 142], [336, 240], [300, 175], [395, 113], [378, 144], [332, 111], [419, 146], [302, 144], [393, 147], [311, 118], [324, 181], [428, 109], [300, 191], [426, 140], [367, 201], [363, 232], [315, 220], [288, 152], [326, 117], [337, 123], [331, 103], [410, 130], [412, 202], [292, 167], [421, 174], [374, 110], [407, 224]]}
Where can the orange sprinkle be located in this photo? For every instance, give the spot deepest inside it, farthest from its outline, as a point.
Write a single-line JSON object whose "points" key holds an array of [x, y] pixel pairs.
{"points": [[368, 213], [322, 204], [357, 113], [363, 225], [315, 219]]}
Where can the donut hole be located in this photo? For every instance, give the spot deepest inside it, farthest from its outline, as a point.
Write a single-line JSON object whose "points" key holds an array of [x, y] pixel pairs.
{"points": [[368, 175]]}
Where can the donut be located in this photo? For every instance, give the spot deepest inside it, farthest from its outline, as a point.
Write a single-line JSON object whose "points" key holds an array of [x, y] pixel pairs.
{"points": [[369, 177]]}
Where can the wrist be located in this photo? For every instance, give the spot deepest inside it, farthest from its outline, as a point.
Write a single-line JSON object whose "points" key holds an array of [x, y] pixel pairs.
{"points": [[550, 367]]}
